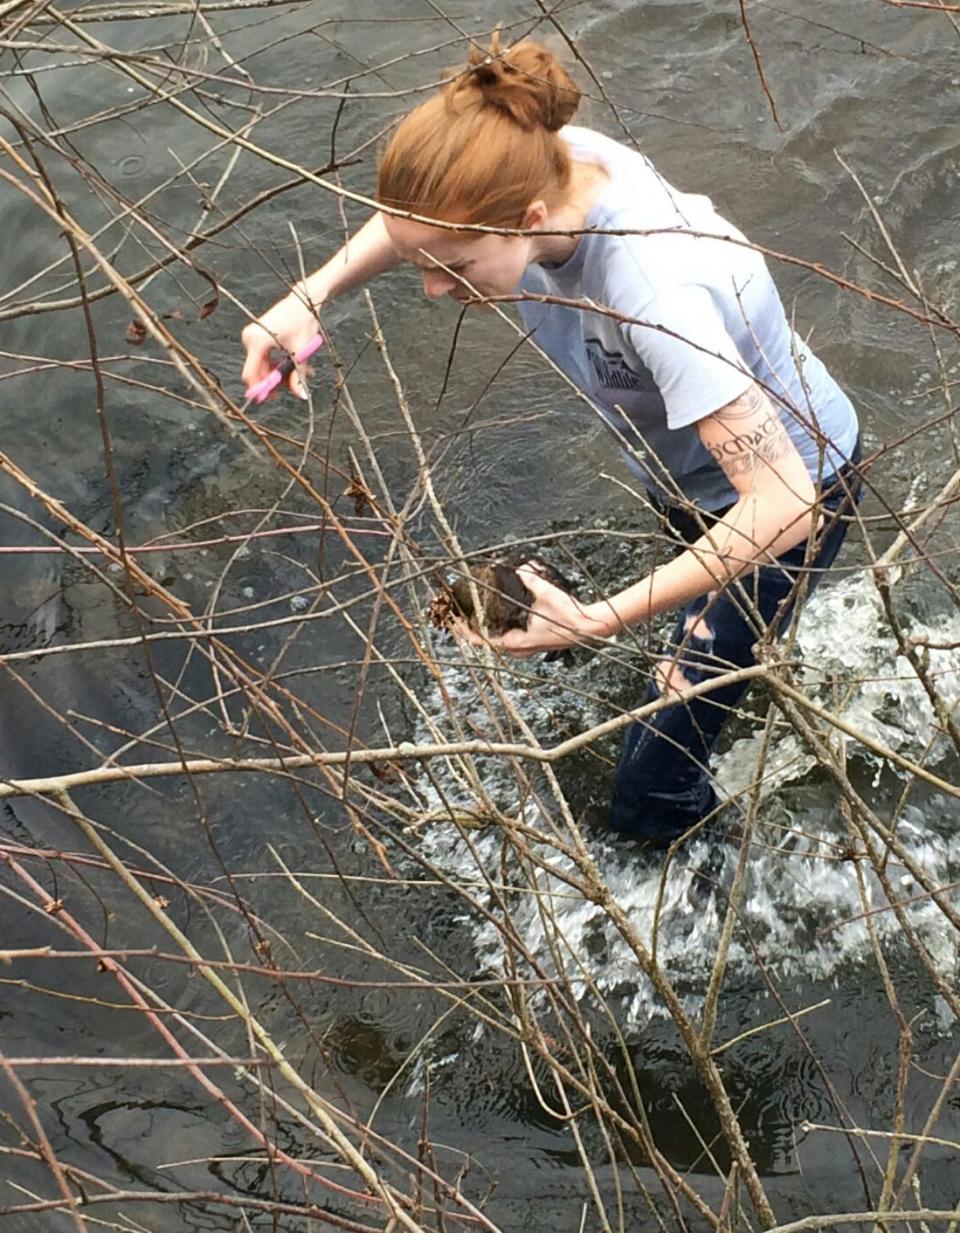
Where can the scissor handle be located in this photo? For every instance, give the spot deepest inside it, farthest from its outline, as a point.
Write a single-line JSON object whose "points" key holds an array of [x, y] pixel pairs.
{"points": [[263, 389]]}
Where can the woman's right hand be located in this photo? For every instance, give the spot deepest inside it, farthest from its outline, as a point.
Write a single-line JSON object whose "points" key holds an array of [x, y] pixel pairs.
{"points": [[282, 330]]}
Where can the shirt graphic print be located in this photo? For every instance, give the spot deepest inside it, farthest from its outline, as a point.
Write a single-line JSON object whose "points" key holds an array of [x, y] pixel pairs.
{"points": [[613, 372]]}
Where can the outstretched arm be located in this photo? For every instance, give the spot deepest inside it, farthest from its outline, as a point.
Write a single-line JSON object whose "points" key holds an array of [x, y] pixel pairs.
{"points": [[773, 513], [291, 322]]}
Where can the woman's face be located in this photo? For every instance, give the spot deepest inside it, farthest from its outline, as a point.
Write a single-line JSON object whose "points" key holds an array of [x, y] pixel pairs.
{"points": [[492, 264]]}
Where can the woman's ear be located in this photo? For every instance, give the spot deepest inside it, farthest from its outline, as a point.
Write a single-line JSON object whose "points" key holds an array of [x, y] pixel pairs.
{"points": [[535, 216]]}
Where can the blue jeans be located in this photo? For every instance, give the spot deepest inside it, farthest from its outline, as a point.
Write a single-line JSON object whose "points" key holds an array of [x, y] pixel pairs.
{"points": [[663, 785]]}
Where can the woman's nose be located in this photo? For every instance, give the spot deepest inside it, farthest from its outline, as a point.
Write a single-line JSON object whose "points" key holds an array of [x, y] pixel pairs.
{"points": [[436, 283]]}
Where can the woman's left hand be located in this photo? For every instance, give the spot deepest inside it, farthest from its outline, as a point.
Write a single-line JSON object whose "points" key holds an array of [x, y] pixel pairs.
{"points": [[556, 621]]}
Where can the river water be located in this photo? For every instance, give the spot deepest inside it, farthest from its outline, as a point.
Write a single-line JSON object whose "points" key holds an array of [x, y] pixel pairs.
{"points": [[868, 96]]}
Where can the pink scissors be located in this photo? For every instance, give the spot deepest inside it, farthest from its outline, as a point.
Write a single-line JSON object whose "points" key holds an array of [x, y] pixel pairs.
{"points": [[263, 389]]}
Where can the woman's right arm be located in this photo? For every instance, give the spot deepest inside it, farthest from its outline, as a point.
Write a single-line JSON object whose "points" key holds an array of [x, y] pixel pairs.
{"points": [[291, 322]]}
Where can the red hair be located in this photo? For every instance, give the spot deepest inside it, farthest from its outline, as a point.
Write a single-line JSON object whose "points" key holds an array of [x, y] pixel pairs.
{"points": [[486, 146]]}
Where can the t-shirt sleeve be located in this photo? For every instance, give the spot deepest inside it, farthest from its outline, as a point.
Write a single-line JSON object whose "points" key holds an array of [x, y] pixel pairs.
{"points": [[691, 356]]}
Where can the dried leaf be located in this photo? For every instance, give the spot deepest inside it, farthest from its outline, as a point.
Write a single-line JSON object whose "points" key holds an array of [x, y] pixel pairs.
{"points": [[386, 772], [136, 333], [362, 497], [443, 609], [207, 308]]}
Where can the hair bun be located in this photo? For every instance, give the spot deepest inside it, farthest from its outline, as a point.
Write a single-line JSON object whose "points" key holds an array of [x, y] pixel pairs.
{"points": [[525, 81]]}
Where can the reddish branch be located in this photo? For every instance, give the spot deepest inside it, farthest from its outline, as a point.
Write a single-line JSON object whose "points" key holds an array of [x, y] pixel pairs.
{"points": [[757, 61]]}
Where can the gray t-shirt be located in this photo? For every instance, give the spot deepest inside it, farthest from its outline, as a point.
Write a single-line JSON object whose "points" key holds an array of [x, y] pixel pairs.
{"points": [[710, 322]]}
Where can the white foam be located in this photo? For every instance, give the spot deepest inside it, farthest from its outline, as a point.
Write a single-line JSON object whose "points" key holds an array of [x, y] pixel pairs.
{"points": [[797, 888]]}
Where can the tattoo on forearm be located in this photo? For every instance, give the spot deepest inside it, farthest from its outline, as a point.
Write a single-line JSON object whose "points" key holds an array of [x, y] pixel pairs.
{"points": [[747, 451]]}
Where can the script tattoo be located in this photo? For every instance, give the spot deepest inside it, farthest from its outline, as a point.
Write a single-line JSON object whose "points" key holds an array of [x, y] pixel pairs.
{"points": [[761, 445]]}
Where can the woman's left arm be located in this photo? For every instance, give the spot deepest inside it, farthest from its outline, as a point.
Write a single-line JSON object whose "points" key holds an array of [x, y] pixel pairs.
{"points": [[773, 512]]}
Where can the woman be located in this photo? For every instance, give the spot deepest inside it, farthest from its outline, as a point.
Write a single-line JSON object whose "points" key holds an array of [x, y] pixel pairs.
{"points": [[745, 443]]}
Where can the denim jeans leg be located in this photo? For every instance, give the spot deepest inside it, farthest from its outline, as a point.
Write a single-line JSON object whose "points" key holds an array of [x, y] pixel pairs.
{"points": [[663, 786]]}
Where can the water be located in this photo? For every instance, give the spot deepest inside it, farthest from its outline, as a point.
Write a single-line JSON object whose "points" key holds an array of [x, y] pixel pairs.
{"points": [[800, 885], [879, 85]]}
